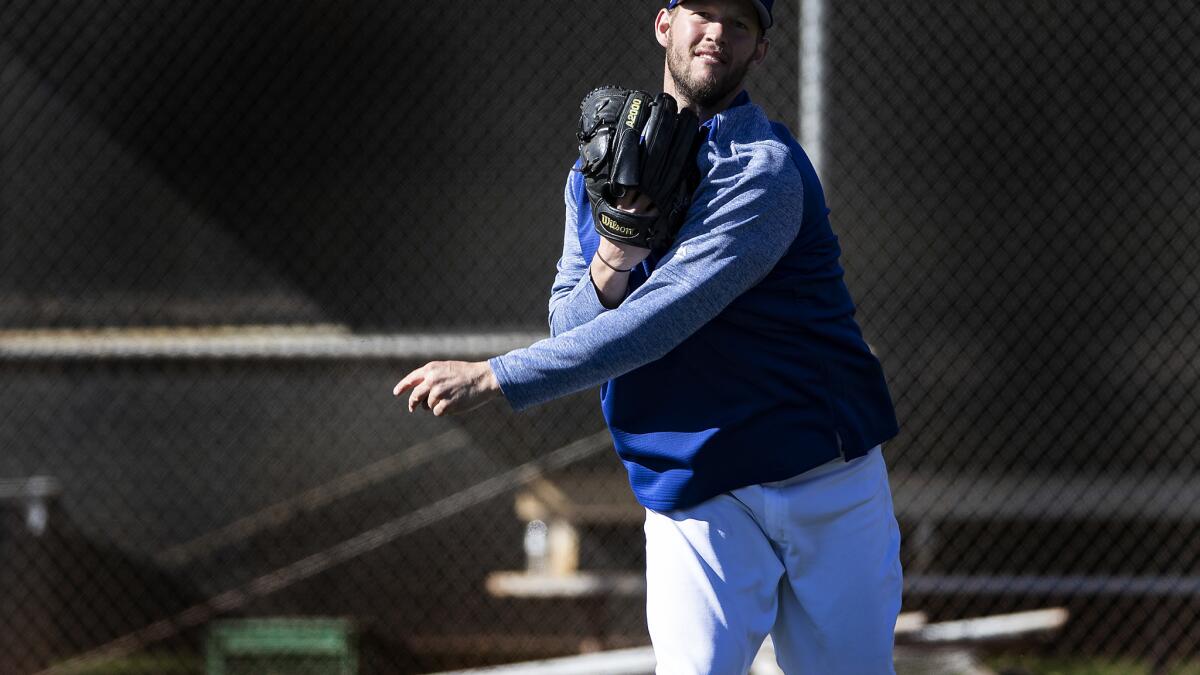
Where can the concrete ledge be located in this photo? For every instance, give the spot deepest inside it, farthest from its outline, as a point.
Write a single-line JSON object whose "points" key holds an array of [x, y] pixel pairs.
{"points": [[577, 585]]}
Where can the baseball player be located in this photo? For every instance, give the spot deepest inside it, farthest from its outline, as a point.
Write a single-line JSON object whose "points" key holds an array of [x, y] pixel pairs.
{"points": [[740, 393]]}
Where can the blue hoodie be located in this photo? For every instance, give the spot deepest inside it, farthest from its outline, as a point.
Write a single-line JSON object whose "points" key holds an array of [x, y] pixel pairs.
{"points": [[735, 358]]}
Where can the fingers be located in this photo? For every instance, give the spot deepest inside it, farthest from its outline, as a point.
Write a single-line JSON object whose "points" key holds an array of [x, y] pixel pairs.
{"points": [[428, 384], [410, 380], [635, 202], [447, 387], [437, 397], [420, 396], [419, 382]]}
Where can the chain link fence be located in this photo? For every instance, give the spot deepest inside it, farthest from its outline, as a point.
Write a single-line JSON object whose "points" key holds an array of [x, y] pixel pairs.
{"points": [[228, 228]]}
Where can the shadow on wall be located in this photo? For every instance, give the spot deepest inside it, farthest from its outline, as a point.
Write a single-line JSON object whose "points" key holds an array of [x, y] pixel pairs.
{"points": [[61, 592], [362, 163]]}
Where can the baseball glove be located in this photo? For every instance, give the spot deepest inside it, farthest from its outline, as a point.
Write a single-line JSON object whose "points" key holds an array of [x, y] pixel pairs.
{"points": [[629, 139]]}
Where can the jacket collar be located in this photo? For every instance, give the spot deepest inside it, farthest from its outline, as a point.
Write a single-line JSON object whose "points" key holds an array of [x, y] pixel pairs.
{"points": [[713, 123]]}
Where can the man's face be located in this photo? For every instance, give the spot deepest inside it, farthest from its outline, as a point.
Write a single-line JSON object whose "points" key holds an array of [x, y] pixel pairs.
{"points": [[710, 45]]}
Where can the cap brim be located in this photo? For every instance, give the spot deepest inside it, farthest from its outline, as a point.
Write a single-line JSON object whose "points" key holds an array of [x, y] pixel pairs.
{"points": [[764, 17]]}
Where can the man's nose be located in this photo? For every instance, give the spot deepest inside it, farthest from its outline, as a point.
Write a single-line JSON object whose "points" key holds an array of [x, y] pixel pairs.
{"points": [[715, 32]]}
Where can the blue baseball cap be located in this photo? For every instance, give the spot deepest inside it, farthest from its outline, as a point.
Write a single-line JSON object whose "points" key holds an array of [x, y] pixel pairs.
{"points": [[763, 7]]}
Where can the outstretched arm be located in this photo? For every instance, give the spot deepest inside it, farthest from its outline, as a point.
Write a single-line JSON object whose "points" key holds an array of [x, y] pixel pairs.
{"points": [[744, 219], [448, 387]]}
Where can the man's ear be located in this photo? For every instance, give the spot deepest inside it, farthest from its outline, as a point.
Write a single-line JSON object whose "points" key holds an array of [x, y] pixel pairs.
{"points": [[760, 50], [662, 26]]}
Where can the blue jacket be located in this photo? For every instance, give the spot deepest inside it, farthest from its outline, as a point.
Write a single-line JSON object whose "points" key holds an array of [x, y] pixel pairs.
{"points": [[735, 358]]}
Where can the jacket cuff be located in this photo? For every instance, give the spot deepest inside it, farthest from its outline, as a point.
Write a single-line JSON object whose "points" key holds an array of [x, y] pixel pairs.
{"points": [[509, 386]]}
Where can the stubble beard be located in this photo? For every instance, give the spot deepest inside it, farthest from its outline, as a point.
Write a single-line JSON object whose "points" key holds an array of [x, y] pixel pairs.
{"points": [[702, 91]]}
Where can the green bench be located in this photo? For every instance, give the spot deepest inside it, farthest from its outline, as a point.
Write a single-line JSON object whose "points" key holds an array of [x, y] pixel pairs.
{"points": [[281, 646]]}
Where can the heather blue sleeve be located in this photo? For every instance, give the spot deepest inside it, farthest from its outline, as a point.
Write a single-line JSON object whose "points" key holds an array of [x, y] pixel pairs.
{"points": [[573, 298], [745, 215]]}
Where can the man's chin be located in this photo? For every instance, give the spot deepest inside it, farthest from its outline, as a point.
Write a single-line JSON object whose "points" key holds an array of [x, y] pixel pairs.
{"points": [[708, 92], [705, 80]]}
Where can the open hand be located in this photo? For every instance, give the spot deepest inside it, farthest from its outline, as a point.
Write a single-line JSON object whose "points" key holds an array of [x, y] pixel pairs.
{"points": [[448, 387]]}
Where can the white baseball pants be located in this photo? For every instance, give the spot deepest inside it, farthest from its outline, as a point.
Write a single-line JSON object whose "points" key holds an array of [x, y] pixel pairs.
{"points": [[813, 560]]}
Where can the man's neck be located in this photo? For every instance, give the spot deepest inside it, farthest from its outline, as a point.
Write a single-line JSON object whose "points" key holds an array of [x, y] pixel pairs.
{"points": [[704, 113]]}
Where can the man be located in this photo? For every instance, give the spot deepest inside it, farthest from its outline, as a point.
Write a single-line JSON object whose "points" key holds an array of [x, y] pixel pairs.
{"points": [[739, 391]]}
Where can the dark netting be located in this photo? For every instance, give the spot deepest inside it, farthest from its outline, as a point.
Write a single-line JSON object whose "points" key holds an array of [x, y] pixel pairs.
{"points": [[227, 228]]}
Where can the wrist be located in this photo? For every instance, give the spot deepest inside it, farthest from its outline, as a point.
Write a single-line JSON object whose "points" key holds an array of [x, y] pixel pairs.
{"points": [[611, 266], [610, 286], [489, 381], [620, 256]]}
